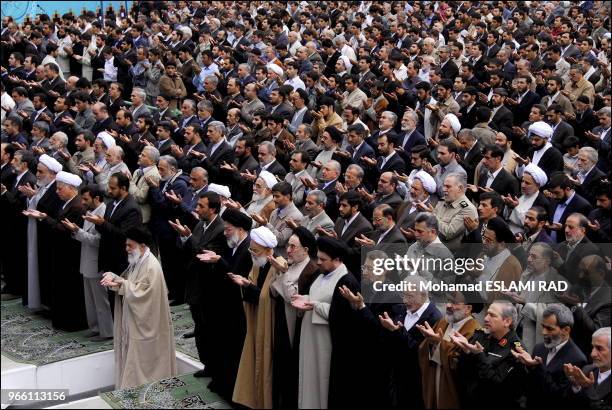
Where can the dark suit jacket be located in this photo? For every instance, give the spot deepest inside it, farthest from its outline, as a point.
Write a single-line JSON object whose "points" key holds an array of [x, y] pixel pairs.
{"points": [[522, 109], [596, 314], [331, 205], [550, 162], [570, 269], [504, 183], [470, 161], [561, 133], [502, 121], [112, 255], [395, 163], [284, 110], [577, 204], [275, 169], [8, 176], [359, 226], [187, 162], [115, 106], [590, 183], [212, 239], [242, 190], [404, 345], [394, 236], [450, 70], [593, 397], [416, 138], [212, 163], [468, 119], [365, 150], [548, 382]]}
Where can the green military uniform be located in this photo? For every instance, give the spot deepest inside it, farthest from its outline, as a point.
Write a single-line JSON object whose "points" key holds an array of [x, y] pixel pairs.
{"points": [[493, 378], [450, 220]]}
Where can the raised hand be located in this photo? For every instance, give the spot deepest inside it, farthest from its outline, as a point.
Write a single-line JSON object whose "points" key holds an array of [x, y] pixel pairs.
{"points": [[355, 300], [577, 377], [430, 335], [261, 220], [301, 303], [173, 197], [524, 357], [28, 190], [182, 230], [208, 257], [387, 322], [71, 226], [94, 219], [280, 268], [364, 241], [151, 182]]}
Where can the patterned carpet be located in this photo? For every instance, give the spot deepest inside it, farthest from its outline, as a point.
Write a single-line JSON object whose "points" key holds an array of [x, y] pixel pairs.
{"points": [[184, 391], [30, 338]]}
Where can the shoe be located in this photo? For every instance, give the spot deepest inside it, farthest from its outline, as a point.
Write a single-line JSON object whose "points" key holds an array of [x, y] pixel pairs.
{"points": [[91, 334], [212, 386], [99, 338], [200, 373], [189, 335]]}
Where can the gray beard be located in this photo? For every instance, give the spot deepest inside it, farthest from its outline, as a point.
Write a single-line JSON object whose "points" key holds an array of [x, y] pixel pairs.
{"points": [[259, 261], [455, 317]]}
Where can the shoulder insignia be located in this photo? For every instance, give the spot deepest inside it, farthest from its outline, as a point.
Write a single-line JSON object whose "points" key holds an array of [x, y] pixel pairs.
{"points": [[463, 204]]}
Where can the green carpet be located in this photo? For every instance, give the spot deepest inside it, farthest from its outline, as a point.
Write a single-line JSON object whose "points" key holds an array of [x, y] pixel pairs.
{"points": [[30, 338], [184, 391], [183, 323]]}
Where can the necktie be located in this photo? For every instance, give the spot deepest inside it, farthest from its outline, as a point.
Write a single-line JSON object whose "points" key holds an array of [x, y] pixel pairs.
{"points": [[139, 174], [346, 224], [114, 209]]}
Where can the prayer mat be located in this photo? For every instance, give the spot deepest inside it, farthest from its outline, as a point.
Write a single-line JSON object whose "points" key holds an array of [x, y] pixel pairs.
{"points": [[30, 338], [183, 323], [180, 392]]}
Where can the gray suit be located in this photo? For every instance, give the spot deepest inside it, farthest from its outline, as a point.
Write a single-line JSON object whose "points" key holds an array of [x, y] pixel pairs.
{"points": [[297, 187], [84, 121], [320, 221], [442, 171], [99, 318], [250, 107], [279, 227]]}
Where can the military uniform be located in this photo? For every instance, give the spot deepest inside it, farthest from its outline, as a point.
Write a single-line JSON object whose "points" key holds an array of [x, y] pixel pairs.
{"points": [[450, 220], [494, 377]]}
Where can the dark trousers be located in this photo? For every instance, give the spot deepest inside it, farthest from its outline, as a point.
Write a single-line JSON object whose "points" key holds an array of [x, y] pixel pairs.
{"points": [[173, 268], [197, 313]]}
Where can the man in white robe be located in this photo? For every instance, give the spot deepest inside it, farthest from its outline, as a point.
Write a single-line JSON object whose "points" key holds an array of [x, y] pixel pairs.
{"points": [[144, 335]]}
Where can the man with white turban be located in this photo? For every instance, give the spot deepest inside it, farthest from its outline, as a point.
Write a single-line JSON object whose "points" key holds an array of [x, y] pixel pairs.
{"points": [[224, 194], [254, 382], [542, 153], [422, 191], [104, 141], [262, 203], [276, 70], [65, 292], [45, 200], [534, 178]]}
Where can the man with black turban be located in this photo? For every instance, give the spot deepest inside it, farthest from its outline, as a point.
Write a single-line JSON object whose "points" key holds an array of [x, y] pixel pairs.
{"points": [[328, 350]]}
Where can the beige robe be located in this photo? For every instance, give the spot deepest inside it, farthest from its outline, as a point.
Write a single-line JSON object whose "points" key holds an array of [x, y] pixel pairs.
{"points": [[144, 335], [253, 386], [447, 397]]}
